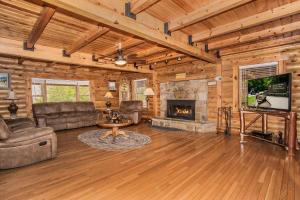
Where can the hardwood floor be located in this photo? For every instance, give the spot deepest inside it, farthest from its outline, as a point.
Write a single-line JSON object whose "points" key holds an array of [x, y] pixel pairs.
{"points": [[176, 165]]}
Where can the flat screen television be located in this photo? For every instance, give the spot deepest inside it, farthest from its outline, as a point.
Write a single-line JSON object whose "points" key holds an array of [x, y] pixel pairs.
{"points": [[272, 92]]}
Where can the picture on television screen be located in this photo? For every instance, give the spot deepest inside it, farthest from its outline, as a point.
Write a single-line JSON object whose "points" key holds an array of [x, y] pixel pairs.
{"points": [[273, 92]]}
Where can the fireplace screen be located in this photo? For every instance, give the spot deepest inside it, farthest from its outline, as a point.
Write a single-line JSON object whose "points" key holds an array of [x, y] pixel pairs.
{"points": [[181, 109]]}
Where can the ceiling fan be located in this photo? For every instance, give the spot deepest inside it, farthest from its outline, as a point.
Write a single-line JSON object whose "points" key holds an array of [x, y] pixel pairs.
{"points": [[122, 60]]}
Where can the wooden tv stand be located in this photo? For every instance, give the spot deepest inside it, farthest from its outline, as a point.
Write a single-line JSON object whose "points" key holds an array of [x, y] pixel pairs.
{"points": [[290, 130]]}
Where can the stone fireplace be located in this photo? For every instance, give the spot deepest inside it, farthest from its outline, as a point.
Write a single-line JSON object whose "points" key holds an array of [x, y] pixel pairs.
{"points": [[195, 90], [183, 105], [181, 109]]}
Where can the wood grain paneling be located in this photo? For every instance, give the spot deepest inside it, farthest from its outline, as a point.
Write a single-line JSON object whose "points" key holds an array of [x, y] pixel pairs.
{"points": [[289, 62], [22, 74], [177, 165]]}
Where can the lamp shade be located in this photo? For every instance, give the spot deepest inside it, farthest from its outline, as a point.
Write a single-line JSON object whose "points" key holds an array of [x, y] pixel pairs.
{"points": [[108, 95], [148, 92], [11, 95]]}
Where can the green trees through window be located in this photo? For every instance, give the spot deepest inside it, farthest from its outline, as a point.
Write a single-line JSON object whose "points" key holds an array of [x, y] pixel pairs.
{"points": [[59, 93], [48, 90]]}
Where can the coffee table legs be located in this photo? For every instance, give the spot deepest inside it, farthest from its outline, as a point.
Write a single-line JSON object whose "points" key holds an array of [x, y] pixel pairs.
{"points": [[114, 132]]}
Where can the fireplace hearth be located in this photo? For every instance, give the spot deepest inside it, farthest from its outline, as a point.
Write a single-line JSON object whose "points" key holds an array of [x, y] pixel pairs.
{"points": [[181, 109]]}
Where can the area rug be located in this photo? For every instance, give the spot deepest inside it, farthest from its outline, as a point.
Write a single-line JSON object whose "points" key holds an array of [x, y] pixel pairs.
{"points": [[133, 141]]}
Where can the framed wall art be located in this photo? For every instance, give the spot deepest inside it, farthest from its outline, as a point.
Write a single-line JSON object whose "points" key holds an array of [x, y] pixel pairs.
{"points": [[4, 81], [112, 86]]}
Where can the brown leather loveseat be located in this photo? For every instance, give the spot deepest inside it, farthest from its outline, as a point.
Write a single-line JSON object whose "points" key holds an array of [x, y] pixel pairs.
{"points": [[65, 115], [21, 143]]}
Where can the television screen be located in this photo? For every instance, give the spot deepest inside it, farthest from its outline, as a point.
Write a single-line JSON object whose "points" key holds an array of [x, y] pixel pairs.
{"points": [[273, 92]]}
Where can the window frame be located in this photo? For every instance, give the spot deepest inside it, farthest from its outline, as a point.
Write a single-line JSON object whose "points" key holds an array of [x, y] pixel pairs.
{"points": [[241, 103], [135, 94], [44, 84]]}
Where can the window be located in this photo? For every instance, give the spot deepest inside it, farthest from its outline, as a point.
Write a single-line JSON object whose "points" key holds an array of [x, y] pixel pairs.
{"points": [[252, 72], [37, 94], [49, 90], [138, 91]]}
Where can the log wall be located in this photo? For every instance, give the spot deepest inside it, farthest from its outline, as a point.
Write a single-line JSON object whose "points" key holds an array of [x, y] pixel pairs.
{"points": [[22, 72], [289, 62], [227, 93]]}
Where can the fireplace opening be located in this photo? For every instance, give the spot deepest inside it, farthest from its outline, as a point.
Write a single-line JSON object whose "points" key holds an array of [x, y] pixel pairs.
{"points": [[181, 109]]}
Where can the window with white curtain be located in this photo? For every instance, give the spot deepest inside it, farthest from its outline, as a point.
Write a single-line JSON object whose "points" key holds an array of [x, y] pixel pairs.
{"points": [[50, 90], [249, 72]]}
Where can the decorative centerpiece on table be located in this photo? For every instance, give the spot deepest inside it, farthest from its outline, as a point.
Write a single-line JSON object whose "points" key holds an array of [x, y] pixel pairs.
{"points": [[114, 117]]}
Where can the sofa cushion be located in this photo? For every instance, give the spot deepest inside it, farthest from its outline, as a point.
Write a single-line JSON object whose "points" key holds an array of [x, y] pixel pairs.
{"points": [[58, 120], [85, 106], [29, 134], [52, 108], [45, 108], [67, 107], [131, 106], [4, 130], [53, 116]]}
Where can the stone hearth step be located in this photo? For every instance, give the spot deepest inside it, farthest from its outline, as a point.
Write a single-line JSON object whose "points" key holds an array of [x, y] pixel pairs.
{"points": [[187, 125]]}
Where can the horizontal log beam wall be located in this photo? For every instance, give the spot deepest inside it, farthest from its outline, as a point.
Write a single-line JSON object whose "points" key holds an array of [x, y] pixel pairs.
{"points": [[289, 61], [21, 75], [15, 48]]}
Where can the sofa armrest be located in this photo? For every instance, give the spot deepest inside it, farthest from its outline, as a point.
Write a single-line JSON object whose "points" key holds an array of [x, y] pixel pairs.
{"points": [[41, 120], [99, 113]]}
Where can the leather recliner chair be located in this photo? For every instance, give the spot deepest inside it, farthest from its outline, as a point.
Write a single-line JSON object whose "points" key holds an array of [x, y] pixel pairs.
{"points": [[131, 110], [21, 143]]}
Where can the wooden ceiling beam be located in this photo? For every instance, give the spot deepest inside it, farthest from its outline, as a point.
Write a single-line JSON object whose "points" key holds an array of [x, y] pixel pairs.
{"points": [[211, 9], [127, 25], [278, 30], [141, 5], [254, 20], [86, 39], [130, 43], [165, 57], [292, 40], [39, 26], [148, 52], [50, 54]]}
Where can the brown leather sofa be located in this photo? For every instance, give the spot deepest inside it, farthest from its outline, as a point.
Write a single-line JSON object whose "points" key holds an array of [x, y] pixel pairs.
{"points": [[65, 115], [21, 143], [132, 110]]}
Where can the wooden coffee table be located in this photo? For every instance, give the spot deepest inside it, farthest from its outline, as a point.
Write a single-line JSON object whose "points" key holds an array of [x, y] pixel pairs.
{"points": [[115, 128]]}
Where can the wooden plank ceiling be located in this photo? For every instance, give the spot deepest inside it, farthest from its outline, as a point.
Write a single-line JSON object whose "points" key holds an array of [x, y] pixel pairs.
{"points": [[218, 25]]}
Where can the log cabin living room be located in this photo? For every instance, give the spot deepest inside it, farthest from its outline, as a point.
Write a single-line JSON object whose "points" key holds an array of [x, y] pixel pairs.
{"points": [[149, 99]]}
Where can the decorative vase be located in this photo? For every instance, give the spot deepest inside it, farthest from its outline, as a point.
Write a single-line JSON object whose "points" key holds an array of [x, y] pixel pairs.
{"points": [[13, 108]]}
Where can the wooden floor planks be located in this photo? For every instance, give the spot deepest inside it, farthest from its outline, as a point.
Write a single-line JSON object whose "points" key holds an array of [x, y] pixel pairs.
{"points": [[176, 165]]}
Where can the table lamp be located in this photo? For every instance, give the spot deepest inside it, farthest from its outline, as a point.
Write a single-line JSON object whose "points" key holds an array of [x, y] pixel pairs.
{"points": [[108, 96], [148, 92], [12, 108]]}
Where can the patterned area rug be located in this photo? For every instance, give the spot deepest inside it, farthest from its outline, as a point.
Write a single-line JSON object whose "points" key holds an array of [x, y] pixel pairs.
{"points": [[121, 143]]}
